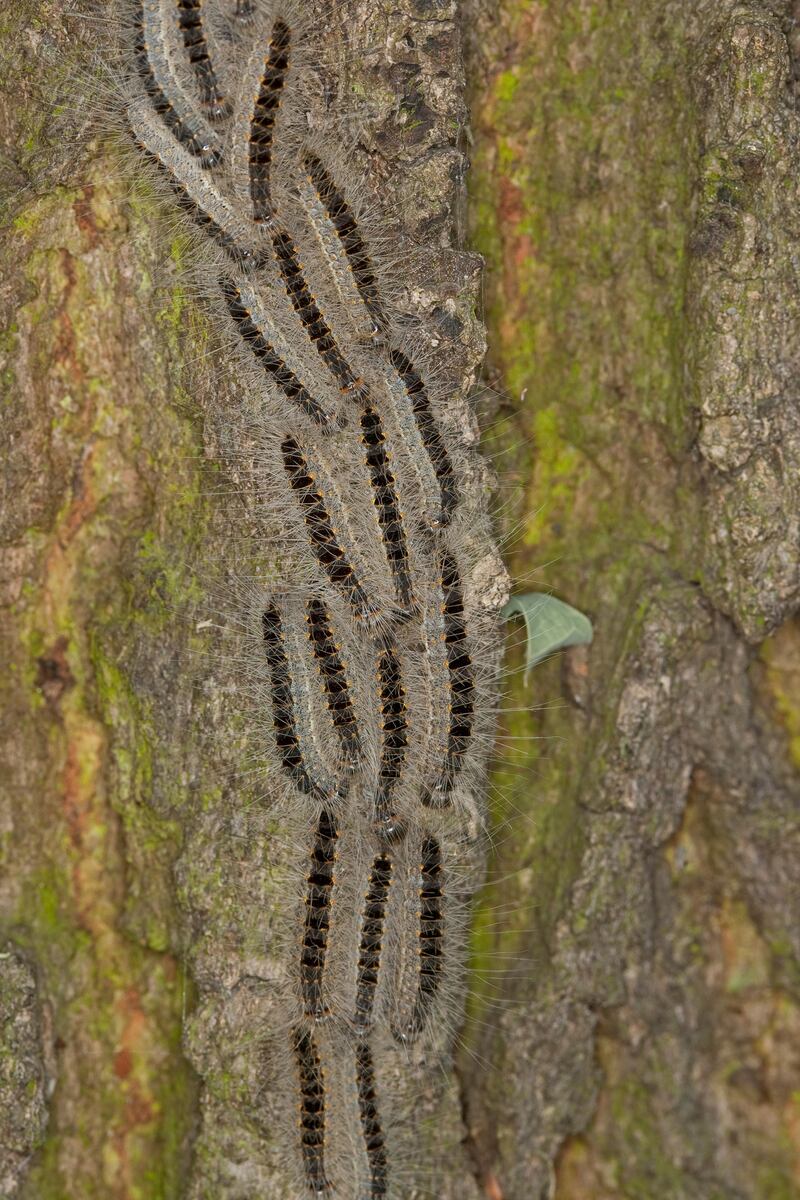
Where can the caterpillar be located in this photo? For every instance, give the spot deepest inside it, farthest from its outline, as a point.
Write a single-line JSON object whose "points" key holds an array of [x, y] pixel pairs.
{"points": [[394, 745], [371, 943], [335, 684], [370, 1122], [312, 1110], [321, 881], [191, 23], [196, 194], [430, 934], [284, 720], [324, 537], [390, 516], [342, 245], [376, 643]]}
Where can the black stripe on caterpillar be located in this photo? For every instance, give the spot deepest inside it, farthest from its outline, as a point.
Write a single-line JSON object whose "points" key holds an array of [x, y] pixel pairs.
{"points": [[461, 684], [322, 749], [416, 460], [431, 926], [371, 1128], [334, 681], [429, 432], [193, 33], [283, 712], [306, 307], [322, 538], [312, 1122], [371, 942], [320, 883], [394, 743], [343, 246], [390, 517], [271, 82]]}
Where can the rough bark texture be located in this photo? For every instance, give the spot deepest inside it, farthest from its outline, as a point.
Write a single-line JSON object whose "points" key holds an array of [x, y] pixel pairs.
{"points": [[635, 193], [634, 1025]]}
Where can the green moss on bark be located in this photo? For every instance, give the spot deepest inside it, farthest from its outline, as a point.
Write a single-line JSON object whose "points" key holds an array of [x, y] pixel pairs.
{"points": [[616, 203]]}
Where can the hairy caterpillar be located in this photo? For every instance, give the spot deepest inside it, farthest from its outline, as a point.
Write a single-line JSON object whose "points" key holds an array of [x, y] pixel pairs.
{"points": [[191, 22], [312, 1110], [394, 742], [371, 943], [342, 245], [272, 352], [285, 723], [375, 649]]}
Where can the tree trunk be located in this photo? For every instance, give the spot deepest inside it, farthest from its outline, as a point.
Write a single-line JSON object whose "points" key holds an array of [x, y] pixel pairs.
{"points": [[634, 190], [633, 1021]]}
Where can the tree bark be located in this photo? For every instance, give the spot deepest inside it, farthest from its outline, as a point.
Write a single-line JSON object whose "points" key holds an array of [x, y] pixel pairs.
{"points": [[634, 191], [633, 1021]]}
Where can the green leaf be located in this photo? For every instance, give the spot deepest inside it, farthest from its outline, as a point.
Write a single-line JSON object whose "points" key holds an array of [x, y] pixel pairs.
{"points": [[551, 625]]}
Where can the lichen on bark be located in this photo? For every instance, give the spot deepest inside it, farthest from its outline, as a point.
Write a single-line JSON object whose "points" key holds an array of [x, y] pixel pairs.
{"points": [[25, 1065]]}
